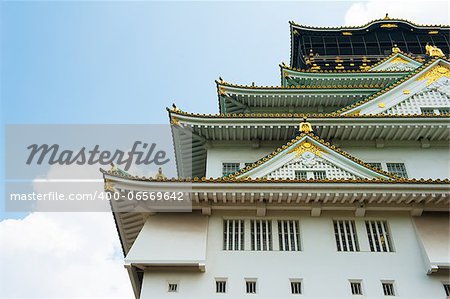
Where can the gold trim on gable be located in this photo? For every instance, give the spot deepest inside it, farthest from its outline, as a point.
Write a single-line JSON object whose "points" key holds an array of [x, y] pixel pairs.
{"points": [[435, 74]]}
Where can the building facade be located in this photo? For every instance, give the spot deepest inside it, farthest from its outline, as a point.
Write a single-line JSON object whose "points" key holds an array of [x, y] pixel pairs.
{"points": [[334, 184]]}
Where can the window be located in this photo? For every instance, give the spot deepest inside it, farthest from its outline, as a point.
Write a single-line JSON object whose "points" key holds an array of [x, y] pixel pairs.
{"points": [[388, 288], [173, 288], [261, 234], [356, 287], [435, 110], [289, 235], [427, 110], [447, 289], [296, 287], [376, 165], [229, 168], [444, 110], [345, 234], [221, 286], [320, 175], [250, 286], [233, 235], [379, 237], [300, 175], [398, 169]]}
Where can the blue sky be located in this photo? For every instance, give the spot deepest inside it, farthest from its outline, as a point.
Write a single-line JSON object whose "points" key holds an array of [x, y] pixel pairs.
{"points": [[125, 62]]}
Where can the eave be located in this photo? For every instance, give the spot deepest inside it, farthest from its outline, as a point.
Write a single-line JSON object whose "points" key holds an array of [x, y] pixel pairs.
{"points": [[291, 76], [193, 134], [242, 99]]}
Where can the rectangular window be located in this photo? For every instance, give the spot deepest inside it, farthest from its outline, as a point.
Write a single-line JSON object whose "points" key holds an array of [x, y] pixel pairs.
{"points": [[320, 175], [444, 110], [229, 168], [221, 286], [379, 236], [261, 235], [388, 289], [345, 234], [398, 169], [427, 110], [300, 175], [356, 288], [173, 288], [296, 287], [376, 165], [447, 289], [289, 235], [233, 235], [250, 286]]}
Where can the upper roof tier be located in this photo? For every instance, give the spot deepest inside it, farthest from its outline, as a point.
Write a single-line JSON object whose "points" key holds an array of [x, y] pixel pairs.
{"points": [[357, 47]]}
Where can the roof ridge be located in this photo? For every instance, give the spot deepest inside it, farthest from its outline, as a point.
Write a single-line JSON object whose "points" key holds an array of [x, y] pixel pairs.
{"points": [[360, 86], [300, 115], [292, 23]]}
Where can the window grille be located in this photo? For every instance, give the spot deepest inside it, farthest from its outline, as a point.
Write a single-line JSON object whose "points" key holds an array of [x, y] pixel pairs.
{"points": [[356, 288], [173, 287], [379, 237], [288, 235], [444, 110], [320, 175], [250, 287], [287, 171], [388, 289], [447, 289], [221, 286], [345, 234], [296, 287], [261, 235], [398, 169], [233, 235], [301, 175], [229, 168], [427, 110], [376, 165]]}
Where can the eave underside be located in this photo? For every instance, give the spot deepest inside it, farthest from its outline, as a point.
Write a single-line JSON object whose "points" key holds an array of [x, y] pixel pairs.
{"points": [[254, 132]]}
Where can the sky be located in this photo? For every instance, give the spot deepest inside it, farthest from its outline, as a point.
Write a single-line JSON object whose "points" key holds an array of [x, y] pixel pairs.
{"points": [[123, 63]]}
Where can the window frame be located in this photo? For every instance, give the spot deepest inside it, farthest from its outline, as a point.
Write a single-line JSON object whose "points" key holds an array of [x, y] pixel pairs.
{"points": [[392, 283], [388, 232], [359, 282], [223, 280], [238, 232], [253, 281], [176, 284], [353, 235], [293, 281]]}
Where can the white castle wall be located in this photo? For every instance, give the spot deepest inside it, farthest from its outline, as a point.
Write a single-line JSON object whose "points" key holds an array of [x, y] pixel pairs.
{"points": [[420, 162], [324, 271]]}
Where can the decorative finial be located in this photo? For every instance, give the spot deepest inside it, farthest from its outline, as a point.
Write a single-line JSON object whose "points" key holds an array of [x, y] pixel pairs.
{"points": [[113, 167], [253, 83], [305, 127], [386, 17], [220, 79], [395, 49], [160, 175], [175, 108], [433, 51]]}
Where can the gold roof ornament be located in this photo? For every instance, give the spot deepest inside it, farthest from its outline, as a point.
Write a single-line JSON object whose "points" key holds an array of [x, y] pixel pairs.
{"points": [[433, 51], [160, 175], [306, 146], [305, 127], [395, 49], [386, 17], [435, 74]]}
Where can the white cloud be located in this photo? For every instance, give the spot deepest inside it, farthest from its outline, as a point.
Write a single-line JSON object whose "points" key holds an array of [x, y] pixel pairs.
{"points": [[421, 12], [57, 254], [73, 255]]}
